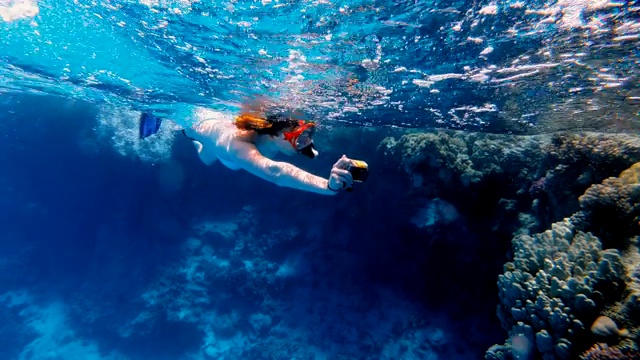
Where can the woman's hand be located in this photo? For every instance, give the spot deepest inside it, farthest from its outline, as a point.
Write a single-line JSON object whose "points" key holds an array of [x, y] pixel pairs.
{"points": [[340, 178]]}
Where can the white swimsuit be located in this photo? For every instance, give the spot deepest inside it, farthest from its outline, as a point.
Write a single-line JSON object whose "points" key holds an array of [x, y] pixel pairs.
{"points": [[212, 136]]}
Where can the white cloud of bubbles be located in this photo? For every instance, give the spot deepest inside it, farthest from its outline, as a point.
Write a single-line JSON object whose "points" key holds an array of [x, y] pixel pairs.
{"points": [[53, 337], [12, 10], [120, 128]]}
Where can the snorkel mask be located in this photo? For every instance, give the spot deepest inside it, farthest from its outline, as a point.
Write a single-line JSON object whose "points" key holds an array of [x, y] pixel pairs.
{"points": [[301, 138]]}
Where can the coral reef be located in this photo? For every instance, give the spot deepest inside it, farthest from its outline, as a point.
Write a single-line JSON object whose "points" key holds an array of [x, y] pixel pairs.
{"points": [[612, 209], [605, 327], [538, 176], [47, 331], [440, 162], [552, 289], [240, 295], [602, 351], [565, 281], [562, 279]]}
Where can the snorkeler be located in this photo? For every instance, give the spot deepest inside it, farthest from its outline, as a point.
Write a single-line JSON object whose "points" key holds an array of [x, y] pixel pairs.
{"points": [[249, 142]]}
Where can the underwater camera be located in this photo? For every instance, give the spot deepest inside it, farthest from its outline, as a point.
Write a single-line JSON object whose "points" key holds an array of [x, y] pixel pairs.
{"points": [[359, 170]]}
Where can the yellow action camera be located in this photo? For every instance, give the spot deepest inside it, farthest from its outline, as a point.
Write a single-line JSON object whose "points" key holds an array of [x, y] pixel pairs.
{"points": [[359, 170]]}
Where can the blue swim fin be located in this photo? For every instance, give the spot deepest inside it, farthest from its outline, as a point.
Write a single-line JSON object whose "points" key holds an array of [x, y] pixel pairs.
{"points": [[149, 125]]}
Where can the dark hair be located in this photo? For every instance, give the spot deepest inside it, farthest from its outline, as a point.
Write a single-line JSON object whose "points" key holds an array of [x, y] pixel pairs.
{"points": [[272, 125]]}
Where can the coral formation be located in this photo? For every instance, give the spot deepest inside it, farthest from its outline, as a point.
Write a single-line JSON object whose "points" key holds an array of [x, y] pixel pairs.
{"points": [[541, 175], [245, 298], [561, 280], [602, 351], [605, 327], [564, 279], [446, 159], [552, 288], [611, 209]]}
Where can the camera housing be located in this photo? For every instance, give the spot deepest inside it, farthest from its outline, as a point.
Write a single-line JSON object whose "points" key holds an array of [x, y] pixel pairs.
{"points": [[359, 170]]}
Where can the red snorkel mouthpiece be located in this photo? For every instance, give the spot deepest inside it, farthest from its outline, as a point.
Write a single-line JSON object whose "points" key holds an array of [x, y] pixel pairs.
{"points": [[301, 138]]}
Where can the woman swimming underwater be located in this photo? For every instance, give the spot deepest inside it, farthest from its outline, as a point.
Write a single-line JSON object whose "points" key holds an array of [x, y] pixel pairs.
{"points": [[250, 141]]}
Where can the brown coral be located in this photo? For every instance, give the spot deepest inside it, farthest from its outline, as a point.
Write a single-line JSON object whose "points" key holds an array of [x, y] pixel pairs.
{"points": [[631, 176], [605, 352], [604, 327], [594, 147], [613, 207]]}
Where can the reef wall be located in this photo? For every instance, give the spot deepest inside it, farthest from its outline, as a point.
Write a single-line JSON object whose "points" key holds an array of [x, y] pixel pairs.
{"points": [[535, 178], [509, 189]]}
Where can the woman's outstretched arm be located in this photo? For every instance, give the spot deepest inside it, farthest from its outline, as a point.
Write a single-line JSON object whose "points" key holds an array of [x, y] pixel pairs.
{"points": [[287, 175]]}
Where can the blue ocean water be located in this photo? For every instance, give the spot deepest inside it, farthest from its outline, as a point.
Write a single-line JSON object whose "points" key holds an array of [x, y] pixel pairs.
{"points": [[117, 248]]}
